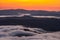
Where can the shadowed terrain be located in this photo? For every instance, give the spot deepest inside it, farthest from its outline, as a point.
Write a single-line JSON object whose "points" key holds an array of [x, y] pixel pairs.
{"points": [[48, 24]]}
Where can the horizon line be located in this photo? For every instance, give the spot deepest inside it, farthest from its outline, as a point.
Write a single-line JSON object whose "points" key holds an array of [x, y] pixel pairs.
{"points": [[31, 10]]}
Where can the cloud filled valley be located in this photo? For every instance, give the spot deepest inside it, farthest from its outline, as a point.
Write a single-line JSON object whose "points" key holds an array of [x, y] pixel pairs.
{"points": [[23, 24], [19, 32]]}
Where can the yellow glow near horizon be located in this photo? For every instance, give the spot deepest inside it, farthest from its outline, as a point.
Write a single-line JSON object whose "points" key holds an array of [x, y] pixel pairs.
{"points": [[30, 4]]}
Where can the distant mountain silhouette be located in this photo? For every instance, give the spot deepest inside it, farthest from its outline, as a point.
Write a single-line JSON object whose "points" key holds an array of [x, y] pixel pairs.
{"points": [[32, 12]]}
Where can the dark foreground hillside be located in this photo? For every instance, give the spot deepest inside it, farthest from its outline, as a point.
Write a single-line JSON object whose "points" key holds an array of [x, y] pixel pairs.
{"points": [[48, 24]]}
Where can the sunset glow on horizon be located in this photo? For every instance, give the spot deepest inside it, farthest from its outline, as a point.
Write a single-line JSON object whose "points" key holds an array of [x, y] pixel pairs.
{"points": [[30, 4]]}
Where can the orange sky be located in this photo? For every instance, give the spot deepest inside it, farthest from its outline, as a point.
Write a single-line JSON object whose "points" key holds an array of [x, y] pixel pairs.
{"points": [[30, 4]]}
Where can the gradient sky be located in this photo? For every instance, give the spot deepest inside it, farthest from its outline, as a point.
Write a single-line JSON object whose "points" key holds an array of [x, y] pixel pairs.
{"points": [[30, 4]]}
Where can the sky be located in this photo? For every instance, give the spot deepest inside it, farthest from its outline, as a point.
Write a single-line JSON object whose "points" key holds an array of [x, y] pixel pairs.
{"points": [[30, 4]]}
